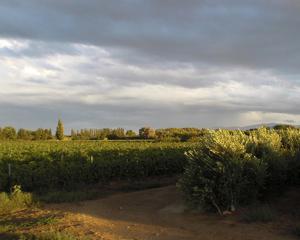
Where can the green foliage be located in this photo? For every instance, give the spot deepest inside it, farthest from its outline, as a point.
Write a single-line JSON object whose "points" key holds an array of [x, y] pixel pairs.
{"points": [[11, 224], [220, 174], [101, 134], [266, 145], [42, 165], [15, 201], [164, 134], [283, 127], [232, 168], [222, 170], [42, 134], [8, 133], [291, 145], [147, 133], [60, 130], [258, 213], [130, 134], [180, 134], [117, 133]]}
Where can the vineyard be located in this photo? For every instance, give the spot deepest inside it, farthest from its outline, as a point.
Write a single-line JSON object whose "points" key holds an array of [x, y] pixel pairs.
{"points": [[230, 172], [40, 165], [221, 171]]}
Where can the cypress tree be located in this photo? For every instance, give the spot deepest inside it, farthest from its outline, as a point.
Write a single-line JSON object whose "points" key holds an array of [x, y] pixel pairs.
{"points": [[60, 130]]}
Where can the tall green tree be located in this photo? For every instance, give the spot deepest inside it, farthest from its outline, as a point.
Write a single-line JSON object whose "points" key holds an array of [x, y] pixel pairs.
{"points": [[147, 133], [9, 133], [24, 134], [130, 133], [60, 130]]}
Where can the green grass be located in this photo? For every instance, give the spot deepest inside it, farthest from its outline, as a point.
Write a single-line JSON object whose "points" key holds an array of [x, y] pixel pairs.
{"points": [[11, 225], [17, 200], [6, 228], [13, 229], [258, 213]]}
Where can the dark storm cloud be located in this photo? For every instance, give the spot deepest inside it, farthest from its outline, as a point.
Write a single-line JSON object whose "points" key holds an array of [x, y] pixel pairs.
{"points": [[257, 34], [132, 117], [162, 63], [78, 115]]}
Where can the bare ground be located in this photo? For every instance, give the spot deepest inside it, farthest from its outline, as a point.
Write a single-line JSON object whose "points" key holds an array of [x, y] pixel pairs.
{"points": [[160, 214]]}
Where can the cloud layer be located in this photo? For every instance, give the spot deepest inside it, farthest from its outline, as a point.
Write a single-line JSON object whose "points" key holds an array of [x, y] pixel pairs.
{"points": [[160, 63]]}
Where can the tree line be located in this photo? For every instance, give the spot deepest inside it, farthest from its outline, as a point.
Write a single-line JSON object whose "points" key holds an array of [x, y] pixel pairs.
{"points": [[10, 133], [146, 133]]}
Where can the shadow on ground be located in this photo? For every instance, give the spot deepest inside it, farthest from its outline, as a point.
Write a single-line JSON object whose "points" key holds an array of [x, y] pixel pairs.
{"points": [[158, 214]]}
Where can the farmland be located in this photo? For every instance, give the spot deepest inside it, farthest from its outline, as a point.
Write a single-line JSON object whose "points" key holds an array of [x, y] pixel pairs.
{"points": [[38, 165], [252, 176], [236, 167]]}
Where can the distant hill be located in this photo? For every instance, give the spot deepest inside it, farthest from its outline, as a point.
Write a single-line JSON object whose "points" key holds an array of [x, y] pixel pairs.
{"points": [[270, 125]]}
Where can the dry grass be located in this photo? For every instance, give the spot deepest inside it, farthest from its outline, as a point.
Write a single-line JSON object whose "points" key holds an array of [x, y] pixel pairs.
{"points": [[15, 201]]}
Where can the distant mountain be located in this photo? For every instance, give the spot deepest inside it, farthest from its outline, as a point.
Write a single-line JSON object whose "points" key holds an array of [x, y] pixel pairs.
{"points": [[270, 125]]}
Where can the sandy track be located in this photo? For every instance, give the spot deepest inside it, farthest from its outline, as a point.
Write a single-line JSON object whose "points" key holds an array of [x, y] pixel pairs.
{"points": [[156, 214]]}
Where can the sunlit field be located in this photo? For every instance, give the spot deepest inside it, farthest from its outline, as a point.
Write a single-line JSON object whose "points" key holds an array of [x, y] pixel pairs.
{"points": [[235, 175]]}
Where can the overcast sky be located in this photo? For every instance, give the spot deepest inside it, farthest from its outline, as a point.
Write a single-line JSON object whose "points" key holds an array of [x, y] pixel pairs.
{"points": [[160, 63]]}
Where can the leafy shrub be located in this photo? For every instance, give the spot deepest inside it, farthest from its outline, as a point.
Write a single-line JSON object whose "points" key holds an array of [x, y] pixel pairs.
{"points": [[220, 174], [291, 145], [266, 145], [231, 168]]}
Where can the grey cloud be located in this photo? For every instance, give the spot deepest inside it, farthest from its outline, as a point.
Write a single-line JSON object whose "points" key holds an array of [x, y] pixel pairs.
{"points": [[256, 34], [37, 81], [39, 49], [191, 44], [127, 116], [290, 121], [80, 116]]}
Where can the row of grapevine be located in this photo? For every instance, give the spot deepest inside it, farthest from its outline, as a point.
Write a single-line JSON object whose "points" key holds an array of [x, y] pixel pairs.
{"points": [[44, 165]]}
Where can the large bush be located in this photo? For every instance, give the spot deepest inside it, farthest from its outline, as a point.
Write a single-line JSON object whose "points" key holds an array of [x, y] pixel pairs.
{"points": [[267, 145], [221, 174], [231, 168], [291, 147]]}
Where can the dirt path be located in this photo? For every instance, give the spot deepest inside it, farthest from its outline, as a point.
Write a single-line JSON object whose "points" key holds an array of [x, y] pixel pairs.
{"points": [[156, 214]]}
